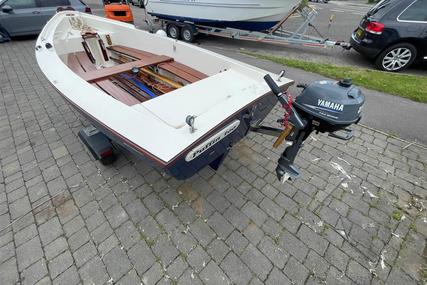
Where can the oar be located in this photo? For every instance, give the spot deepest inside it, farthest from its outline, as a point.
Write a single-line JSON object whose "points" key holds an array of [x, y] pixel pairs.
{"points": [[168, 81], [139, 84], [173, 84]]}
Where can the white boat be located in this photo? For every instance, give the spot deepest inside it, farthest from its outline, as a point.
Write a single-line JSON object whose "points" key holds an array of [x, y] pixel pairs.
{"points": [[181, 106], [252, 15]]}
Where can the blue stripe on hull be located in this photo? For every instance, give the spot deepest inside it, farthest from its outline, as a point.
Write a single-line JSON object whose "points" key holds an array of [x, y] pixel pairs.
{"points": [[242, 25]]}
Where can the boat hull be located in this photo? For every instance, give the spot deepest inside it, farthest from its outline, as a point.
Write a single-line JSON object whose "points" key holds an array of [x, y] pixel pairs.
{"points": [[241, 25], [250, 15], [182, 168]]}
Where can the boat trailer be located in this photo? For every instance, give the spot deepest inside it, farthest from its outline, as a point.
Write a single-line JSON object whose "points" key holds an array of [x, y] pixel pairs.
{"points": [[187, 31]]}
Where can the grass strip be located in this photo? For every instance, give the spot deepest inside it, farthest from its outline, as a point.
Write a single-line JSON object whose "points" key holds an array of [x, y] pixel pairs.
{"points": [[413, 87]]}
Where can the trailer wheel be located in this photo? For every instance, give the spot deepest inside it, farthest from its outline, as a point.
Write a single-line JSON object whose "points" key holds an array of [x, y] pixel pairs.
{"points": [[187, 33], [173, 31]]}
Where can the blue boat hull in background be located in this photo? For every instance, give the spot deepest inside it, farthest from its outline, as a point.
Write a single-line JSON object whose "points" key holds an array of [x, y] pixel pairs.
{"points": [[241, 25]]}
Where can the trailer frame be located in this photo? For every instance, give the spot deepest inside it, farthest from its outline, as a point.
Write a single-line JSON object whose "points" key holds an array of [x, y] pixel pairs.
{"points": [[277, 35]]}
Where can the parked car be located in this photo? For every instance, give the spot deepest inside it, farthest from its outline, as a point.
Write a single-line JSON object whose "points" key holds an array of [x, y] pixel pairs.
{"points": [[28, 17], [393, 33], [139, 3], [319, 1]]}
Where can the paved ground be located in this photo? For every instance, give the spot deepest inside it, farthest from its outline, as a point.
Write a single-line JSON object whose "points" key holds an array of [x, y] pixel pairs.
{"points": [[356, 217]]}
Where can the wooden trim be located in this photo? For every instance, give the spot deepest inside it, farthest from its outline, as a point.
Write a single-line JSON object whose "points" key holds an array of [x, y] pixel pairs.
{"points": [[182, 71], [98, 74], [181, 74], [136, 53], [85, 61], [80, 64], [74, 64], [189, 70]]}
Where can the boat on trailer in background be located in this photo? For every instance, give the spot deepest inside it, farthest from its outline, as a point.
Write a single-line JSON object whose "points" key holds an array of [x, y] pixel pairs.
{"points": [[247, 20], [253, 15], [176, 104]]}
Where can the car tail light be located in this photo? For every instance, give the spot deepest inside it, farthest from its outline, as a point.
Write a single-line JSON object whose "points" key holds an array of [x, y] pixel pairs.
{"points": [[375, 28], [88, 10]]}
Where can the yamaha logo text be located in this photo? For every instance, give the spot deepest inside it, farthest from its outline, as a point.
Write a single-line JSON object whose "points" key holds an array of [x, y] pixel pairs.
{"points": [[330, 105]]}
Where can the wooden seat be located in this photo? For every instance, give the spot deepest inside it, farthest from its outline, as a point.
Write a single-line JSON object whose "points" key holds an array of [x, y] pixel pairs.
{"points": [[102, 73], [182, 71], [80, 64]]}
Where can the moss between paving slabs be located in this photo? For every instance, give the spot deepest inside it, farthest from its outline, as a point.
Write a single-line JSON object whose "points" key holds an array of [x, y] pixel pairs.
{"points": [[408, 86], [397, 215]]}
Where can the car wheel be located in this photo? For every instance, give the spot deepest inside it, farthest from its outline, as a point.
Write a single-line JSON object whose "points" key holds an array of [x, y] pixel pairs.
{"points": [[173, 31], [396, 58], [4, 37]]}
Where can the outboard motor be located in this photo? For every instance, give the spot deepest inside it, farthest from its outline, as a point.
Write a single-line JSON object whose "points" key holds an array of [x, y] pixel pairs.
{"points": [[323, 106]]}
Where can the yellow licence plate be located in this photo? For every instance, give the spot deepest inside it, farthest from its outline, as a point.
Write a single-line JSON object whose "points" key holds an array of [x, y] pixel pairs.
{"points": [[360, 33]]}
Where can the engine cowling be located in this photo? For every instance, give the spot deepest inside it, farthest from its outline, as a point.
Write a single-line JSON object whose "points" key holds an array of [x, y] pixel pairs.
{"points": [[332, 105]]}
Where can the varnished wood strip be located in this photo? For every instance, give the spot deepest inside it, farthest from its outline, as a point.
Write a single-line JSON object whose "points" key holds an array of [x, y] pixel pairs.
{"points": [[106, 85], [136, 53], [85, 61], [109, 71], [189, 70], [178, 72], [74, 65], [139, 54]]}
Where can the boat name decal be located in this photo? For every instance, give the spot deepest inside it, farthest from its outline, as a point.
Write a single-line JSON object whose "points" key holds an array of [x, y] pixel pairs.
{"points": [[212, 141], [330, 105]]}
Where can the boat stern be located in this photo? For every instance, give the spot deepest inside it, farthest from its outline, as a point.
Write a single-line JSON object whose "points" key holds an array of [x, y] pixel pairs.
{"points": [[212, 148]]}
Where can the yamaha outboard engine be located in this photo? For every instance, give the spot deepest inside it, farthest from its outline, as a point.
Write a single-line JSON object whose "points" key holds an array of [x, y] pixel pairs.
{"points": [[323, 106]]}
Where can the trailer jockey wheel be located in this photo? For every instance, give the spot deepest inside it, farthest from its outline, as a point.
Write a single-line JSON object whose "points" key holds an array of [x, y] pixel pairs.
{"points": [[187, 33], [173, 31]]}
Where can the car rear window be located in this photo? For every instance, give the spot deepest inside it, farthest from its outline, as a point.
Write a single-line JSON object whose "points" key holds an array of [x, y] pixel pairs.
{"points": [[417, 11], [54, 3], [380, 8], [21, 4]]}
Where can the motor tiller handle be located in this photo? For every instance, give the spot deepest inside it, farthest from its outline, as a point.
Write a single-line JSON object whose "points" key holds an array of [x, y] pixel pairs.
{"points": [[273, 86], [298, 123]]}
